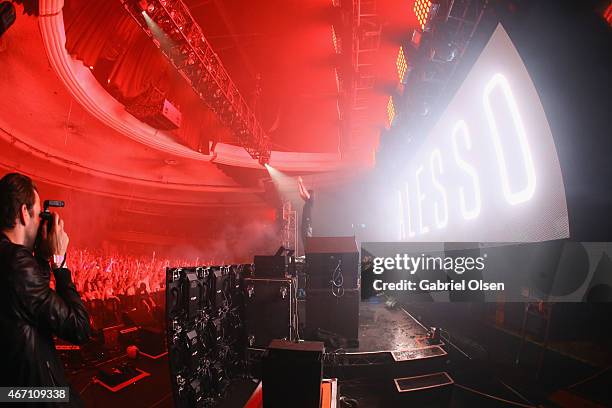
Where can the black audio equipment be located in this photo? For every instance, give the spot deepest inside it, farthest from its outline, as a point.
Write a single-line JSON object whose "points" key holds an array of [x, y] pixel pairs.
{"points": [[326, 256], [278, 266], [204, 331], [110, 337], [292, 374], [333, 319], [333, 294], [269, 310], [151, 342], [270, 266], [71, 354], [137, 317], [128, 336]]}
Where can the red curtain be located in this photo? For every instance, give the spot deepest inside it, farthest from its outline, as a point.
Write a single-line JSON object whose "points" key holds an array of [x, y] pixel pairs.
{"points": [[104, 36], [127, 63]]}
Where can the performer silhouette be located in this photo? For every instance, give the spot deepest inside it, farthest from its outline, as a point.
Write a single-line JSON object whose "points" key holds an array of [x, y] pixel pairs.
{"points": [[308, 197]]}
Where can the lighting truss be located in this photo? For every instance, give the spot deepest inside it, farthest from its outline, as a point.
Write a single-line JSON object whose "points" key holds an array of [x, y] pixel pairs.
{"points": [[365, 42], [172, 28]]}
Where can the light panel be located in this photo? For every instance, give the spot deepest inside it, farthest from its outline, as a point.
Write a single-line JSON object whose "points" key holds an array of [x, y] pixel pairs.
{"points": [[422, 10], [390, 111], [401, 64]]}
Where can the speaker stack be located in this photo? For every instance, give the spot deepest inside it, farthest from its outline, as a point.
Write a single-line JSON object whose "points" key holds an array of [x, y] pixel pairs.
{"points": [[333, 290], [292, 374]]}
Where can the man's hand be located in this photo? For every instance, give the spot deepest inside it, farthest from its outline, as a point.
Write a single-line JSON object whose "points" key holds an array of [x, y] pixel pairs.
{"points": [[302, 190], [54, 242]]}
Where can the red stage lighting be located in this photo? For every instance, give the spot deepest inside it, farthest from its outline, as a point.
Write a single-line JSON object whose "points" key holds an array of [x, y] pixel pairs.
{"points": [[608, 14]]}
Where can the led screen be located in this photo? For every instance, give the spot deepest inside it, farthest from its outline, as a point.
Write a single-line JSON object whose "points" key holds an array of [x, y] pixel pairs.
{"points": [[488, 171]]}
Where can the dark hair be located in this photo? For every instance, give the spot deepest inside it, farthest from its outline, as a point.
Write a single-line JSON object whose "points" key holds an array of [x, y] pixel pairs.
{"points": [[15, 190]]}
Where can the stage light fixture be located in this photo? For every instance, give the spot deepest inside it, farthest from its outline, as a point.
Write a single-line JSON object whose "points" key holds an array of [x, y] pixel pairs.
{"points": [[390, 111], [401, 64], [425, 11], [607, 15]]}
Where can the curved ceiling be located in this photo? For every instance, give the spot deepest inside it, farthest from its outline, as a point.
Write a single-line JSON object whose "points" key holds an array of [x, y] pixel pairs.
{"points": [[98, 101], [69, 131], [45, 130]]}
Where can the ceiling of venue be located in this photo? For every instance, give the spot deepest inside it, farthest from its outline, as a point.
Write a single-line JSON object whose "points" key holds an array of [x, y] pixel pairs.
{"points": [[286, 44]]}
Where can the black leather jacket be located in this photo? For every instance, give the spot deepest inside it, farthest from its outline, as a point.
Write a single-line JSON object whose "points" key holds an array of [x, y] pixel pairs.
{"points": [[31, 313]]}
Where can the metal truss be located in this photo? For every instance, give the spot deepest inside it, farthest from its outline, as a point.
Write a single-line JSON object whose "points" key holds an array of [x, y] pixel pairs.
{"points": [[181, 40], [289, 230], [366, 34]]}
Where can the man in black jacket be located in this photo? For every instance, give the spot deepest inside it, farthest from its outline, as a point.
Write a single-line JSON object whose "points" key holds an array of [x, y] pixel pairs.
{"points": [[30, 311]]}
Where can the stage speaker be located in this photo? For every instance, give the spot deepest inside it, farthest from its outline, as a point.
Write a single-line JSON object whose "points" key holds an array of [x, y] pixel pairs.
{"points": [[137, 317], [272, 266], [152, 342], [292, 374], [269, 310], [326, 256], [333, 319]]}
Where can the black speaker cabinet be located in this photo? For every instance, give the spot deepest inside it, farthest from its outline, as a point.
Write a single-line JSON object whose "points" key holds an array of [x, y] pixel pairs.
{"points": [[152, 342], [270, 266], [292, 374], [269, 310], [324, 255], [331, 316]]}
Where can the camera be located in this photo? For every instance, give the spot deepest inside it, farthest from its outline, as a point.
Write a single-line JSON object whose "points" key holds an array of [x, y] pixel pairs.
{"points": [[46, 214]]}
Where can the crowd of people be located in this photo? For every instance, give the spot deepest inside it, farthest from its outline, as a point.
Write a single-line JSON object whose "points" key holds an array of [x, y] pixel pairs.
{"points": [[113, 284]]}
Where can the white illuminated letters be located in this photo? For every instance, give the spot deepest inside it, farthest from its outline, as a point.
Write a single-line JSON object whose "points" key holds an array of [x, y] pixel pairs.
{"points": [[441, 215], [402, 227], [408, 209], [423, 229], [472, 176], [461, 129], [524, 194]]}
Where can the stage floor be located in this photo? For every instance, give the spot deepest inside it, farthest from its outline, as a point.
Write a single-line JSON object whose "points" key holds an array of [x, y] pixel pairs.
{"points": [[385, 330]]}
